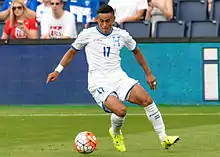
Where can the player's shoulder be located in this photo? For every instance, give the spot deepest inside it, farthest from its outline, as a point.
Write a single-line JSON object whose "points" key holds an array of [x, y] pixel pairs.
{"points": [[120, 31], [88, 31]]}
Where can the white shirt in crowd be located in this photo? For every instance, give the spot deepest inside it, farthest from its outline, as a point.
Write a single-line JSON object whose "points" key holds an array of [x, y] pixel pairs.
{"points": [[42, 10], [64, 26], [125, 8]]}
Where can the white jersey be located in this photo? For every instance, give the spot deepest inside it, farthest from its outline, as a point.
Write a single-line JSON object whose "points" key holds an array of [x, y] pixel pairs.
{"points": [[103, 51]]}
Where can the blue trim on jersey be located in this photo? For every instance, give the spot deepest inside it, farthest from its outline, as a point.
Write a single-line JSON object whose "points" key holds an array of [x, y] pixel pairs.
{"points": [[130, 90], [135, 48], [105, 109], [97, 27], [74, 48]]}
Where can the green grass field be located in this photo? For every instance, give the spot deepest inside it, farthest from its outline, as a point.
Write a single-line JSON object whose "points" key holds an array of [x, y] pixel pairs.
{"points": [[48, 131]]}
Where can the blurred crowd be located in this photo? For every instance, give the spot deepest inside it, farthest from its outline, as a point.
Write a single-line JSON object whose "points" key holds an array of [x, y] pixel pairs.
{"points": [[61, 19]]}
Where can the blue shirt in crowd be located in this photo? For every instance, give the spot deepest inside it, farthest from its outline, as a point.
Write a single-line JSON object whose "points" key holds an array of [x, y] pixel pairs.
{"points": [[83, 10]]}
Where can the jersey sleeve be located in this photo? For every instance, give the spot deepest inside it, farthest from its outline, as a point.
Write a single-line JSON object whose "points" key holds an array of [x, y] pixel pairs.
{"points": [[80, 41], [129, 42]]}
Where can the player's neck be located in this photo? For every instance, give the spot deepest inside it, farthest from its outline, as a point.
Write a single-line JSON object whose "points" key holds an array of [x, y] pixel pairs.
{"points": [[104, 33]]}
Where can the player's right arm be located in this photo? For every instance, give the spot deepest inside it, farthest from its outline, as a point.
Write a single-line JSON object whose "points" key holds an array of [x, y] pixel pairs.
{"points": [[67, 58], [78, 44]]}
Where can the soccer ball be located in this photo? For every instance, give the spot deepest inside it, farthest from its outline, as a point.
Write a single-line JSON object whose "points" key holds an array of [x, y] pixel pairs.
{"points": [[85, 142]]}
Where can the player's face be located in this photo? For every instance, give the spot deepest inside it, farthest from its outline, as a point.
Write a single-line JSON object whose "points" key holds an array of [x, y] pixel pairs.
{"points": [[17, 9], [105, 22]]}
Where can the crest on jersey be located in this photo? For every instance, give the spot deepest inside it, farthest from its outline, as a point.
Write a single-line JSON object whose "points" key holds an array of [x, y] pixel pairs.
{"points": [[116, 40]]}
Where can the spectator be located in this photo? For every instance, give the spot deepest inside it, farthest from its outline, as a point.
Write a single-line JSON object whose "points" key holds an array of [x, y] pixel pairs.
{"points": [[159, 10], [85, 11], [30, 13], [31, 4], [18, 26], [58, 24], [130, 10], [43, 9]]}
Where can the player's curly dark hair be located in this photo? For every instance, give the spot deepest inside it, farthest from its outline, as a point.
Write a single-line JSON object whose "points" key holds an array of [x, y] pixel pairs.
{"points": [[105, 8]]}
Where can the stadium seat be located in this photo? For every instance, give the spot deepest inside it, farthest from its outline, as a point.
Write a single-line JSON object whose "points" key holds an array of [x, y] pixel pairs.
{"points": [[203, 29], [192, 10], [170, 29], [215, 10], [137, 29], [92, 24]]}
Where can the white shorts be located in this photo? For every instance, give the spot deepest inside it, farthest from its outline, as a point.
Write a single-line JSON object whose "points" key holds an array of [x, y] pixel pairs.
{"points": [[117, 83]]}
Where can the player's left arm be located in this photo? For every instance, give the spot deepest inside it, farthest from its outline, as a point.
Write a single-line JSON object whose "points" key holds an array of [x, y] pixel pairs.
{"points": [[151, 80]]}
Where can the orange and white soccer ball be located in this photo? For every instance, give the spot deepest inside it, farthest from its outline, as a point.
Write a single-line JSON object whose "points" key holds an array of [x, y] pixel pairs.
{"points": [[85, 142]]}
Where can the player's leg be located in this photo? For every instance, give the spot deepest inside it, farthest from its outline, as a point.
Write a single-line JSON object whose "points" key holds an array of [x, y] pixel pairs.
{"points": [[138, 95], [108, 100], [118, 110]]}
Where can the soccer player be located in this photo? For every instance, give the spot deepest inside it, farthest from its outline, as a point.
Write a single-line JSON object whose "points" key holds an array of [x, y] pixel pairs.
{"points": [[107, 82]]}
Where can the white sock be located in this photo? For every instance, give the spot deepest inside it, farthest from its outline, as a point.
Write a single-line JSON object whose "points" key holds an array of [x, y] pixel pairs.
{"points": [[117, 123], [156, 119]]}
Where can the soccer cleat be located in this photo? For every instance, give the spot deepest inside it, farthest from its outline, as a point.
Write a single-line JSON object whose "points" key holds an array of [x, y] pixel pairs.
{"points": [[118, 141], [169, 141]]}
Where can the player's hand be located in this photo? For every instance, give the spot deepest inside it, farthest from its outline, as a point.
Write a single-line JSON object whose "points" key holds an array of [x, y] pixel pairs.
{"points": [[151, 80], [52, 76]]}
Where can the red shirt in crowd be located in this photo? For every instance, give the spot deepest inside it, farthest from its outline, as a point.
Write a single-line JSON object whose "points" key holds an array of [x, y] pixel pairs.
{"points": [[17, 33]]}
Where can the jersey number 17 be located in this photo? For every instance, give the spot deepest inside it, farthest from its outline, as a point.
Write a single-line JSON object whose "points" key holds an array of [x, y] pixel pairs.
{"points": [[106, 51]]}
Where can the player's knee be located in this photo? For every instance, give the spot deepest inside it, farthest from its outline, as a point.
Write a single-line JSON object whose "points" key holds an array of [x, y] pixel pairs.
{"points": [[121, 112], [147, 101]]}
